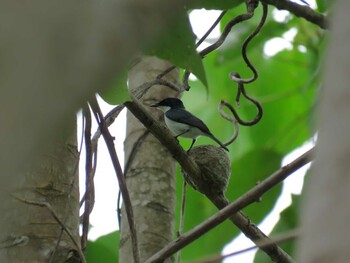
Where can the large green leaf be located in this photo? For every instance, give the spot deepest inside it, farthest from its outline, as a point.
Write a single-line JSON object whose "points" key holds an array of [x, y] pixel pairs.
{"points": [[105, 249], [248, 171], [177, 45], [117, 92]]}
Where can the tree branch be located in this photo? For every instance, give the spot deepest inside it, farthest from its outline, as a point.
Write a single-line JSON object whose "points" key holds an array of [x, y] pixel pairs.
{"points": [[290, 235], [164, 136], [300, 11], [246, 199], [253, 232]]}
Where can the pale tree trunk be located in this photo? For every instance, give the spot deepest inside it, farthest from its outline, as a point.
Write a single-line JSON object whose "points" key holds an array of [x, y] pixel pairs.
{"points": [[30, 231], [326, 213], [150, 173]]}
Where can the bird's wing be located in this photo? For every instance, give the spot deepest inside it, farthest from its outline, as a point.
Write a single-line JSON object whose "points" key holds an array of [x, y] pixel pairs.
{"points": [[187, 118]]}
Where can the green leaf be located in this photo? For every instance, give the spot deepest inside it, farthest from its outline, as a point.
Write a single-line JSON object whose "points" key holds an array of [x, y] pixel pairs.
{"points": [[249, 170], [105, 249], [289, 220], [117, 92], [177, 45], [323, 5], [211, 4], [287, 94]]}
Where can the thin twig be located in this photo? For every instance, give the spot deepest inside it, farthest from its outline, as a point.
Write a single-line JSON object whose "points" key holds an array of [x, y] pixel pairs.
{"points": [[233, 121], [121, 179], [109, 118], [225, 32], [182, 217], [246, 43], [218, 43], [168, 70], [200, 41], [237, 78], [290, 235], [216, 22], [89, 183], [252, 231], [239, 120], [243, 201], [142, 89], [59, 221]]}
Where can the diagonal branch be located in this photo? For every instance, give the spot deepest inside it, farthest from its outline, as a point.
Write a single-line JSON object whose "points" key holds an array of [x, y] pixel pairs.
{"points": [[233, 208], [164, 136], [290, 235]]}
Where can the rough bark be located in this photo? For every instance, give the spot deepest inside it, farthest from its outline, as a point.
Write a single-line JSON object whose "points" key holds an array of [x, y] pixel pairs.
{"points": [[326, 213], [150, 173], [30, 230]]}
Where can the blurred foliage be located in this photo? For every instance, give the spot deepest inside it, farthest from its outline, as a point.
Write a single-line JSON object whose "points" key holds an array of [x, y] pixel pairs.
{"points": [[210, 4], [324, 5], [178, 46], [287, 87], [117, 93], [104, 249]]}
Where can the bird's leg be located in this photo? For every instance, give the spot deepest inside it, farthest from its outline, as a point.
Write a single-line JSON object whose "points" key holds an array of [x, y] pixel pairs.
{"points": [[193, 141], [182, 133]]}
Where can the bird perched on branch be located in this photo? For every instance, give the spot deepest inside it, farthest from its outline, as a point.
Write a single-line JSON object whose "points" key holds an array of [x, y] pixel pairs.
{"points": [[183, 123]]}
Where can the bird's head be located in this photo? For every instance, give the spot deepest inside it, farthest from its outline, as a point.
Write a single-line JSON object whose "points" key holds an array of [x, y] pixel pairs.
{"points": [[169, 103]]}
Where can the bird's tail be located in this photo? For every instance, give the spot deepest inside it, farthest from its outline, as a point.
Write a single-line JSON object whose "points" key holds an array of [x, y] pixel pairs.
{"points": [[220, 143]]}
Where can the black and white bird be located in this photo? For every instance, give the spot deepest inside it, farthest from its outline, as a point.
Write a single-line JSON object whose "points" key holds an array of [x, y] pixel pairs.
{"points": [[183, 123]]}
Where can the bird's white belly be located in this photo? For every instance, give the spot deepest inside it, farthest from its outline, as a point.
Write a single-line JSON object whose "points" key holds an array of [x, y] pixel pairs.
{"points": [[184, 130]]}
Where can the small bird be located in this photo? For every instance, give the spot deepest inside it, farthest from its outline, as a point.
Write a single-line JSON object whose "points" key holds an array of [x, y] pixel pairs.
{"points": [[183, 123]]}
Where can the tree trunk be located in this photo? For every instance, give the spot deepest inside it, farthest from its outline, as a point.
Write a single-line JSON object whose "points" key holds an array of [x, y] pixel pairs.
{"points": [[326, 214], [150, 169], [30, 232]]}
